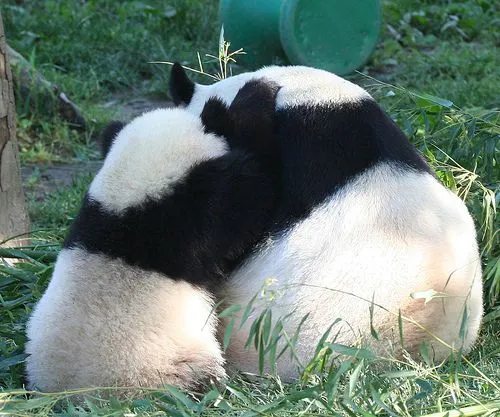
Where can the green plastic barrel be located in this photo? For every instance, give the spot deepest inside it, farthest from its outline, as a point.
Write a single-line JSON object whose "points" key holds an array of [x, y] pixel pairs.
{"points": [[335, 35], [253, 25]]}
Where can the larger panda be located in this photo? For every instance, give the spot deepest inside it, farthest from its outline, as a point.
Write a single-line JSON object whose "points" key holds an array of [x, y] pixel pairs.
{"points": [[363, 232], [169, 214]]}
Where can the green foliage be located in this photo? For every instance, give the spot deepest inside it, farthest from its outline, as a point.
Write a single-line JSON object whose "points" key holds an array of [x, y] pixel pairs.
{"points": [[95, 47], [20, 286], [444, 48], [44, 141], [56, 212], [94, 50]]}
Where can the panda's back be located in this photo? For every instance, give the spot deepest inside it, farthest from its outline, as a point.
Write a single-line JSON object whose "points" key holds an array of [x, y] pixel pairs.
{"points": [[328, 131], [325, 146], [362, 222]]}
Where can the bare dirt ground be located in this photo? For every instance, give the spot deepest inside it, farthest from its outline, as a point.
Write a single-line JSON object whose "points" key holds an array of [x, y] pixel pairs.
{"points": [[45, 179]]}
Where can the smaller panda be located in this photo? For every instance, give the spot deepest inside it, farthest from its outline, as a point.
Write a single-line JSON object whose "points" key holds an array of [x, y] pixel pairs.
{"points": [[170, 213]]}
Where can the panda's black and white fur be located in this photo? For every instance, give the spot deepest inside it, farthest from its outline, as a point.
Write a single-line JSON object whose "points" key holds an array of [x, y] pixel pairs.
{"points": [[170, 212], [361, 222]]}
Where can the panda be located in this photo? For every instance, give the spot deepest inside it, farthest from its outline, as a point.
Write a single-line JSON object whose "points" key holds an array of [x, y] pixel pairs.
{"points": [[169, 214], [364, 236]]}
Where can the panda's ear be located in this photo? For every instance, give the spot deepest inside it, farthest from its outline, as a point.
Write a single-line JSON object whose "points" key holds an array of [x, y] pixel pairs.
{"points": [[180, 87], [109, 135], [254, 105], [217, 119], [253, 114]]}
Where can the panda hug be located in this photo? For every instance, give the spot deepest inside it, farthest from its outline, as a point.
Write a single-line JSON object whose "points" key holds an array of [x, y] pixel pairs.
{"points": [[288, 175]]}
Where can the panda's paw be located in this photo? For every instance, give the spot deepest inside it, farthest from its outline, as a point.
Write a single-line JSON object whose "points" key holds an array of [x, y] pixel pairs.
{"points": [[196, 372], [249, 122]]}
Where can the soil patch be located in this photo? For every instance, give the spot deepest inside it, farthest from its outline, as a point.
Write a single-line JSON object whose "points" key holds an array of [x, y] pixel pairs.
{"points": [[43, 180]]}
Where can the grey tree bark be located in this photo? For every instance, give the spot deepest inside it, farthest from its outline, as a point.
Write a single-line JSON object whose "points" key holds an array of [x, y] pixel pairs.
{"points": [[14, 219]]}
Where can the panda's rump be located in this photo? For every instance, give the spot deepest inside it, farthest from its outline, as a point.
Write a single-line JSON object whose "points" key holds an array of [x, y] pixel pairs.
{"points": [[127, 328], [386, 235]]}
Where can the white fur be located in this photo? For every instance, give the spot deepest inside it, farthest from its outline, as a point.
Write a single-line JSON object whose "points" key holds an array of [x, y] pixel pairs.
{"points": [[299, 85], [103, 323], [386, 235], [149, 155]]}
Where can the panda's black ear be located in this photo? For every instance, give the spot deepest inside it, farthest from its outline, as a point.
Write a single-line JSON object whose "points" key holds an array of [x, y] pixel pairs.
{"points": [[180, 87], [217, 119], [109, 135], [254, 105], [253, 114]]}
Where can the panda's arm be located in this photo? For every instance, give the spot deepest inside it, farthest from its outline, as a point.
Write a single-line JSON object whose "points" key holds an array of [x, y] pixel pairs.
{"points": [[197, 232], [232, 204]]}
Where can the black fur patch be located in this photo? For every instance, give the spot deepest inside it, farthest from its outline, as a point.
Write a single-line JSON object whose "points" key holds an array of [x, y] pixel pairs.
{"points": [[215, 118], [198, 233], [181, 88], [249, 122], [316, 148], [323, 147], [108, 136]]}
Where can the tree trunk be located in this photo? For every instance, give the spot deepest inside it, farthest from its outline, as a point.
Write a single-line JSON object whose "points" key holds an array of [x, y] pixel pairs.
{"points": [[14, 219]]}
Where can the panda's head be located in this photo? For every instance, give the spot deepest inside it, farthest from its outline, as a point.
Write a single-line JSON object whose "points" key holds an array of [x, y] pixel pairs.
{"points": [[297, 85], [147, 156]]}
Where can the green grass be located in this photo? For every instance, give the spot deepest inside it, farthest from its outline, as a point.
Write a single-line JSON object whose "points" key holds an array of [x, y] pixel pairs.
{"points": [[95, 50], [444, 48], [436, 72]]}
